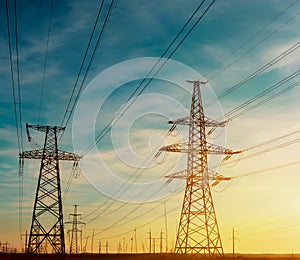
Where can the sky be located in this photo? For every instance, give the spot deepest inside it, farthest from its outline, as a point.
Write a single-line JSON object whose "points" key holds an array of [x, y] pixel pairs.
{"points": [[249, 45]]}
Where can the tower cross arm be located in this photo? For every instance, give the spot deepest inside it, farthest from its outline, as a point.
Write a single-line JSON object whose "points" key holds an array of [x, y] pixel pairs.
{"points": [[212, 176], [216, 149], [45, 128], [208, 122], [210, 148], [39, 154], [67, 156], [34, 154], [179, 148]]}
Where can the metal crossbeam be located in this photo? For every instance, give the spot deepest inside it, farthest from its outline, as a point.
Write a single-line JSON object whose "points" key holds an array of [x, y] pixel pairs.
{"points": [[187, 148], [197, 121]]}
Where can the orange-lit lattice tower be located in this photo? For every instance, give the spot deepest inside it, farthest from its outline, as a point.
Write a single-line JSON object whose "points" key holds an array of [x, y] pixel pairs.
{"points": [[47, 227], [198, 231]]}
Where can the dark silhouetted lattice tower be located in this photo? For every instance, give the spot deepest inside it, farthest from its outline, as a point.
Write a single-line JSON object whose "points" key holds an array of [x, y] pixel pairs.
{"points": [[47, 227], [74, 231], [198, 231]]}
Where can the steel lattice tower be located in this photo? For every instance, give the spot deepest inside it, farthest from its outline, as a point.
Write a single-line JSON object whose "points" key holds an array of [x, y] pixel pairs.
{"points": [[74, 231], [47, 227], [198, 231]]}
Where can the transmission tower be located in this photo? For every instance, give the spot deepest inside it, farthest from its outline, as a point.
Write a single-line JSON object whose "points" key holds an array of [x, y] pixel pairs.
{"points": [[198, 231], [47, 225], [75, 231]]}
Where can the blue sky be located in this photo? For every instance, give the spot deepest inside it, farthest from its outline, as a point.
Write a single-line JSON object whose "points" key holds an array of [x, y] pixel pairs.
{"points": [[232, 41]]}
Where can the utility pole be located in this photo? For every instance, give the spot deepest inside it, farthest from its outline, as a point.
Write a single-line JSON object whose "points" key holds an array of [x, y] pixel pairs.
{"points": [[26, 240], [106, 246], [99, 247], [198, 231], [135, 241], [233, 242], [92, 243], [166, 227], [81, 246], [161, 239], [150, 241], [86, 242], [47, 218], [75, 231], [119, 248]]}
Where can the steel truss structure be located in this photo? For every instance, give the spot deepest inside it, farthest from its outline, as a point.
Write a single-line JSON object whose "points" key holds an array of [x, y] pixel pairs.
{"points": [[198, 231], [47, 227]]}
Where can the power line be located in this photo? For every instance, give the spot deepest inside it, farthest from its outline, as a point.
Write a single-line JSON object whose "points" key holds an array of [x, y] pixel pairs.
{"points": [[18, 73], [266, 100], [86, 72], [255, 46], [247, 41], [90, 61], [284, 136], [116, 224], [21, 182], [277, 167], [115, 119], [263, 93], [12, 78], [128, 214], [273, 140], [123, 205], [256, 73], [276, 230], [16, 98], [276, 147], [45, 61], [131, 180], [83, 61], [143, 225]]}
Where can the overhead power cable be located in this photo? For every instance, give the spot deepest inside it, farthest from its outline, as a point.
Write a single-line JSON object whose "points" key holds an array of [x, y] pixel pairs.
{"points": [[276, 139], [276, 147], [266, 100], [16, 103], [68, 113], [265, 92], [256, 73], [67, 118], [16, 97], [82, 63], [277, 167], [143, 225], [113, 121], [273, 140], [45, 61], [247, 41], [255, 46], [120, 192], [117, 117]]}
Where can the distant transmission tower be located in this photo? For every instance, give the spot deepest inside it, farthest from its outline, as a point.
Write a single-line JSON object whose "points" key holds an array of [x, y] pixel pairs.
{"points": [[75, 231], [47, 227], [198, 231]]}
